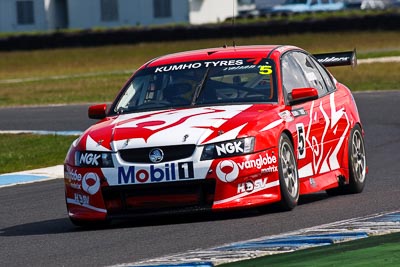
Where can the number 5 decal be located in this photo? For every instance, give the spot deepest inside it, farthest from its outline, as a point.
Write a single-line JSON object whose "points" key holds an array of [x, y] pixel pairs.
{"points": [[301, 145], [265, 70]]}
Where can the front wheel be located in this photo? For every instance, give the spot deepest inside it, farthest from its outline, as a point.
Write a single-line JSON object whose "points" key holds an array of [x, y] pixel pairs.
{"points": [[288, 174]]}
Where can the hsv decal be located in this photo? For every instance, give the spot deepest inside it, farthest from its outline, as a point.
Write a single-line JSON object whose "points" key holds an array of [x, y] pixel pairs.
{"points": [[262, 184], [250, 186], [81, 199]]}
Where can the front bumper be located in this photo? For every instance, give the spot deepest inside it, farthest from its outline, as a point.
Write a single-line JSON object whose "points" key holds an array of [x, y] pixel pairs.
{"points": [[219, 184]]}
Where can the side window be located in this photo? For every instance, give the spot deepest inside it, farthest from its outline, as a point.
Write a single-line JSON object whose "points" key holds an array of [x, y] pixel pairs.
{"points": [[292, 76], [311, 72], [326, 76]]}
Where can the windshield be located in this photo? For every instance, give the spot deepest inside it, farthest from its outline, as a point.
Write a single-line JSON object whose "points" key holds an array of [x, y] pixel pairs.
{"points": [[199, 83]]}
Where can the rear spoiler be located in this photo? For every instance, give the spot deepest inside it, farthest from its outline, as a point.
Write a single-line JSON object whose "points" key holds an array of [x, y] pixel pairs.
{"points": [[338, 59]]}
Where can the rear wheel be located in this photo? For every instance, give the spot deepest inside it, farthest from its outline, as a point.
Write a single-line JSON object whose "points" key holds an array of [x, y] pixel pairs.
{"points": [[288, 174], [357, 161], [357, 165]]}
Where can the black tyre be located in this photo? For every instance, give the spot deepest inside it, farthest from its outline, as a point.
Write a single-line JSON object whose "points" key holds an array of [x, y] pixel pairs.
{"points": [[357, 161], [288, 174], [357, 165]]}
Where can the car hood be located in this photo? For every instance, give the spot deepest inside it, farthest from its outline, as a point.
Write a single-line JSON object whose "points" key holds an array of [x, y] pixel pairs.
{"points": [[197, 126]]}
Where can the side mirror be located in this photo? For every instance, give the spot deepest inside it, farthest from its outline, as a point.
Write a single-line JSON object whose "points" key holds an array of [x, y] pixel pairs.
{"points": [[301, 95], [97, 112]]}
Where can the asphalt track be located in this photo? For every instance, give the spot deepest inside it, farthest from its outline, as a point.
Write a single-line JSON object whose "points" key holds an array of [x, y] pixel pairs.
{"points": [[35, 230]]}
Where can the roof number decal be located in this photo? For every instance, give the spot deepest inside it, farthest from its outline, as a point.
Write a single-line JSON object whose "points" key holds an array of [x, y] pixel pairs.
{"points": [[265, 70]]}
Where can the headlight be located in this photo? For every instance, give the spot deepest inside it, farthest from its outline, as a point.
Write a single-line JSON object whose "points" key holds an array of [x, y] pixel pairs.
{"points": [[93, 159], [230, 148]]}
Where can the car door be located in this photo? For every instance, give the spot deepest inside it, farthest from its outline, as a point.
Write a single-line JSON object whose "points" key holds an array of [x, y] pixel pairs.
{"points": [[313, 125]]}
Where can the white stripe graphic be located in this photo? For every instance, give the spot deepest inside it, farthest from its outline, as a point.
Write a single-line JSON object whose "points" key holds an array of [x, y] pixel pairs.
{"points": [[268, 185], [73, 201]]}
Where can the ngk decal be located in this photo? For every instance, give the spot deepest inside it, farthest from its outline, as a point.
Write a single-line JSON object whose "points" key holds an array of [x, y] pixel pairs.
{"points": [[89, 159], [228, 170], [153, 174], [230, 148], [250, 186]]}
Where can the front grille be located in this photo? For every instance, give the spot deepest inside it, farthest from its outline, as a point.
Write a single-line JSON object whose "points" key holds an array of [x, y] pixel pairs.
{"points": [[171, 153], [159, 197]]}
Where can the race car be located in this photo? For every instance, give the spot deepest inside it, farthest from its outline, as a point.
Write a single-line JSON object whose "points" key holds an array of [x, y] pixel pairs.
{"points": [[218, 129]]}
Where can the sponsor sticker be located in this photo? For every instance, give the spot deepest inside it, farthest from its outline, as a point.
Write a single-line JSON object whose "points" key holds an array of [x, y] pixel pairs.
{"points": [[89, 159], [250, 186], [81, 199], [196, 65], [155, 174], [74, 178], [230, 148], [91, 183], [228, 170], [301, 143], [299, 112], [286, 116]]}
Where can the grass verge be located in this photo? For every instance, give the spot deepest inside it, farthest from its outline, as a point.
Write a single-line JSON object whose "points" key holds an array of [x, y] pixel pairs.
{"points": [[26, 151], [60, 76], [373, 251]]}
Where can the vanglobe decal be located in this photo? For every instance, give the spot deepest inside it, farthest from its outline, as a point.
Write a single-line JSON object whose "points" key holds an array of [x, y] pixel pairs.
{"points": [[91, 183], [260, 162], [228, 170]]}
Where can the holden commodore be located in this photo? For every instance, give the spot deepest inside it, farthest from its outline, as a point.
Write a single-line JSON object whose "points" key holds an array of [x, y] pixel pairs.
{"points": [[218, 129]]}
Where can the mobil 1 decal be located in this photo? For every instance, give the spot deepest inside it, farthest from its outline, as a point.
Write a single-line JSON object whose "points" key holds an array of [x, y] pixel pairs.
{"points": [[156, 173]]}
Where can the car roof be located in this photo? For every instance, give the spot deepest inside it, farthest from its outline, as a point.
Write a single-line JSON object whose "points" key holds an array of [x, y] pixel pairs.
{"points": [[217, 53]]}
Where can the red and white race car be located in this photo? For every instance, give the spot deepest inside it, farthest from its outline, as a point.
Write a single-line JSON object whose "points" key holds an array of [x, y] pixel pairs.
{"points": [[218, 129]]}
